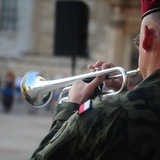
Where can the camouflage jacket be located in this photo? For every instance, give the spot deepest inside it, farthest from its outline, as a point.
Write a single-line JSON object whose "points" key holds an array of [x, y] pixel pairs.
{"points": [[121, 127]]}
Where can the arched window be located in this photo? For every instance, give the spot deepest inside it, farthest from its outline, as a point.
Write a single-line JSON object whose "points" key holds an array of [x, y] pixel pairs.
{"points": [[8, 15]]}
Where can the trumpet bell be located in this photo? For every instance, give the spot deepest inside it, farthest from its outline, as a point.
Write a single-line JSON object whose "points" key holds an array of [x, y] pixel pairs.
{"points": [[31, 88]]}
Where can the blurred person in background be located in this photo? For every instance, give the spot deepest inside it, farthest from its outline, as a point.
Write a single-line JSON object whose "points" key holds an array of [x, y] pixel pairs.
{"points": [[8, 92], [17, 84]]}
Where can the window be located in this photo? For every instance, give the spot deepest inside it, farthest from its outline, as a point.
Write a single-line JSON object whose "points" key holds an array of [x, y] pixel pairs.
{"points": [[8, 15]]}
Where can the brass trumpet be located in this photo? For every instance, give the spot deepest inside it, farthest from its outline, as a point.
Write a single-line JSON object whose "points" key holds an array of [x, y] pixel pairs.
{"points": [[37, 91]]}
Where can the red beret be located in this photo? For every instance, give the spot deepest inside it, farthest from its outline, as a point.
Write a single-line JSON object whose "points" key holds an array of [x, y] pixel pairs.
{"points": [[149, 6]]}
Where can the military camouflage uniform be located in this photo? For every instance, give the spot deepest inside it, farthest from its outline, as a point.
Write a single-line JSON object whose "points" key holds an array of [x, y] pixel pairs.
{"points": [[122, 127]]}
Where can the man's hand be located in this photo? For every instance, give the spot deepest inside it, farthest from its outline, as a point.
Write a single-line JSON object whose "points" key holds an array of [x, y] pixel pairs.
{"points": [[81, 91], [112, 83]]}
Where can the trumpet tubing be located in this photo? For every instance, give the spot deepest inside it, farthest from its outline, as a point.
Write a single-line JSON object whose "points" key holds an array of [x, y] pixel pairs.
{"points": [[37, 90]]}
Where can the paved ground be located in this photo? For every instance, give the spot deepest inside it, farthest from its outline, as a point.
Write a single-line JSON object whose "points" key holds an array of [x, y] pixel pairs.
{"points": [[21, 131]]}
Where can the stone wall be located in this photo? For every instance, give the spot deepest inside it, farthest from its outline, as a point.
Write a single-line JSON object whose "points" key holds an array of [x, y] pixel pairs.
{"points": [[110, 32]]}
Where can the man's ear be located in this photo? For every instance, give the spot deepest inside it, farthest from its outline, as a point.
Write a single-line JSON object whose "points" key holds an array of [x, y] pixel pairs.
{"points": [[148, 39]]}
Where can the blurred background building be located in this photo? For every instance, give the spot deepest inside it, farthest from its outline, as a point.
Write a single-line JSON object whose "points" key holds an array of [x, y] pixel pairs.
{"points": [[28, 30]]}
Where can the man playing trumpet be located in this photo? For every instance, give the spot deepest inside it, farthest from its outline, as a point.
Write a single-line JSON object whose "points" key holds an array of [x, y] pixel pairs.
{"points": [[125, 126]]}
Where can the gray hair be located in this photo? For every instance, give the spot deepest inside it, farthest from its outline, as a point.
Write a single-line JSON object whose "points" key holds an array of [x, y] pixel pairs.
{"points": [[156, 18]]}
